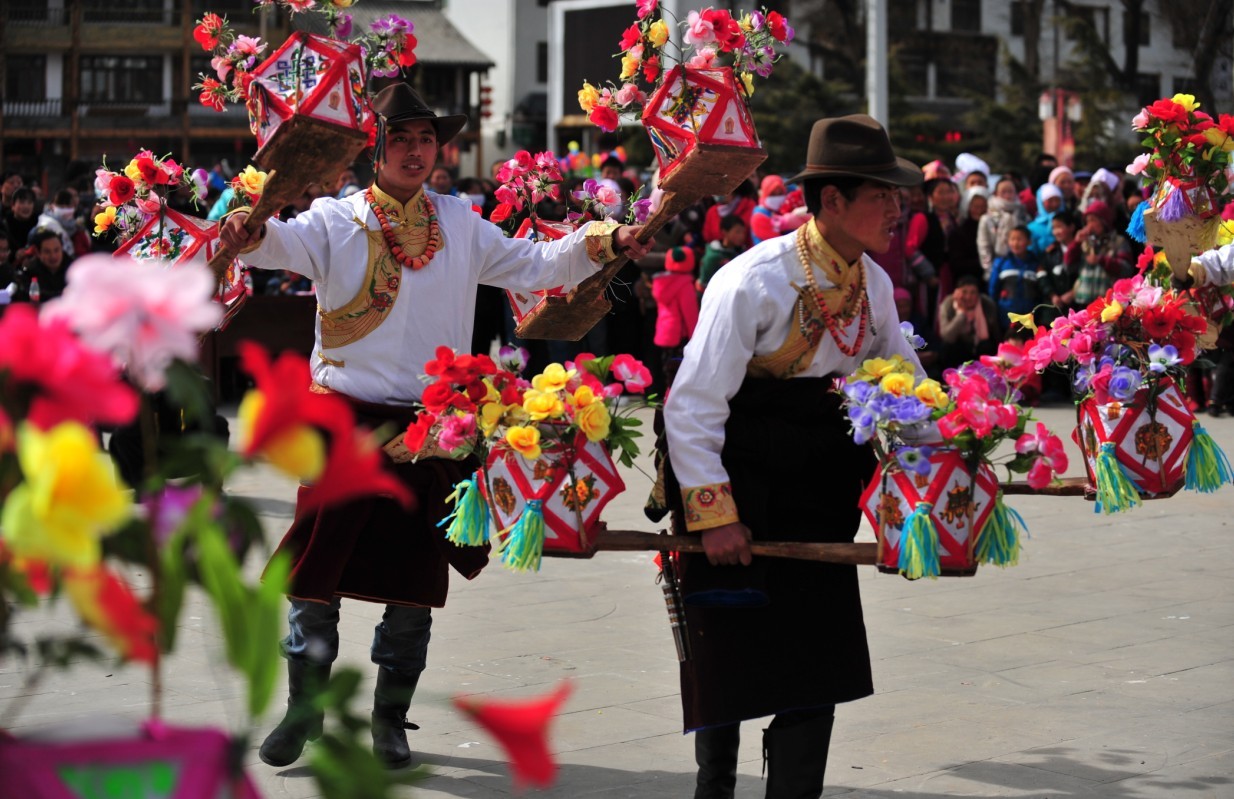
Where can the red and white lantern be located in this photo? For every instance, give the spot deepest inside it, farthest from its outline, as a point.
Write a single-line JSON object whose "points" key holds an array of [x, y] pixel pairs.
{"points": [[1150, 443], [960, 507], [693, 107], [522, 303], [574, 484], [309, 77]]}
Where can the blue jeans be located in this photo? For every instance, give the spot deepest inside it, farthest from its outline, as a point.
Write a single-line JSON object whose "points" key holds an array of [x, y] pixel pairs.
{"points": [[400, 640]]}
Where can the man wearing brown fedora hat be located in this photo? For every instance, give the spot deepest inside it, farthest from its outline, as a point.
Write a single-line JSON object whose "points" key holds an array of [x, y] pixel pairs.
{"points": [[395, 269], [760, 449]]}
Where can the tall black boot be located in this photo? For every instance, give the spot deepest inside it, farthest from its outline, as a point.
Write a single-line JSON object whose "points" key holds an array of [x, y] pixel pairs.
{"points": [[390, 702], [715, 751], [302, 721], [796, 755]]}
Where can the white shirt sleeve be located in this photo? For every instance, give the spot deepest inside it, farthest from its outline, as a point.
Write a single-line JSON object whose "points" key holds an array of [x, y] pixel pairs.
{"points": [[1219, 264], [522, 265], [301, 244]]}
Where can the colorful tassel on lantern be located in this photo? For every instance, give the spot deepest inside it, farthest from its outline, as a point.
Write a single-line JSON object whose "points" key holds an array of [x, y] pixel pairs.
{"points": [[1135, 228], [1174, 208], [523, 544], [470, 517], [1207, 466], [919, 544], [999, 541], [1116, 491]]}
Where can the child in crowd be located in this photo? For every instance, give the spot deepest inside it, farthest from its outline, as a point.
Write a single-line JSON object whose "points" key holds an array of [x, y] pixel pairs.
{"points": [[676, 306], [730, 244], [1014, 283], [1062, 260], [1106, 254], [1004, 215]]}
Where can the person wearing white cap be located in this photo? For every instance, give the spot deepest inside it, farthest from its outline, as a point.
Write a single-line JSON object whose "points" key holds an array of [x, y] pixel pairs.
{"points": [[971, 171], [1064, 179], [1103, 186]]}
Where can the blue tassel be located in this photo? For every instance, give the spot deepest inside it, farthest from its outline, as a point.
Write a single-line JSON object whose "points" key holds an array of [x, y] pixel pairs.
{"points": [[1116, 491], [523, 544], [470, 518], [1207, 466], [1174, 208], [919, 544], [999, 542], [1135, 228]]}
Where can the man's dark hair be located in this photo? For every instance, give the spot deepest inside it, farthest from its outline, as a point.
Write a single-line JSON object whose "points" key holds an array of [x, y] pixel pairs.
{"points": [[24, 193], [612, 160], [847, 185], [968, 280], [41, 235], [730, 221], [746, 189], [64, 198], [1023, 229], [1067, 217]]}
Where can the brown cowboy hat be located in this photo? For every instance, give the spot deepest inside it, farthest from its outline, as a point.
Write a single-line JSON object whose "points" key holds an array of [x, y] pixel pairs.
{"points": [[400, 103], [855, 146]]}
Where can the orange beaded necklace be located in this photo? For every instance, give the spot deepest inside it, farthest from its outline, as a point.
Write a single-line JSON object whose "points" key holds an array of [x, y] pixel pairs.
{"points": [[396, 248], [857, 301]]}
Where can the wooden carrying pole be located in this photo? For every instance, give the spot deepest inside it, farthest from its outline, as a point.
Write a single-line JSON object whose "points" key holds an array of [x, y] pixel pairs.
{"points": [[860, 554]]}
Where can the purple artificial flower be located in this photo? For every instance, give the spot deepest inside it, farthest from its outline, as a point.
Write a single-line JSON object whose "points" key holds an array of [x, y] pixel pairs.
{"points": [[168, 509], [864, 424], [1082, 379], [859, 391], [642, 210], [391, 25], [909, 411], [1161, 358], [513, 359], [914, 459], [915, 341], [1124, 382], [342, 27]]}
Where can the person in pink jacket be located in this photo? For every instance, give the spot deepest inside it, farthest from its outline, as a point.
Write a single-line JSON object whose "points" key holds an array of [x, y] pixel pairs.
{"points": [[676, 305]]}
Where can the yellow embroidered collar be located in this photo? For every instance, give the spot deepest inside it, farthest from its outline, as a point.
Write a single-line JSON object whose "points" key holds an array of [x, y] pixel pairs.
{"points": [[403, 215], [410, 231], [848, 280]]}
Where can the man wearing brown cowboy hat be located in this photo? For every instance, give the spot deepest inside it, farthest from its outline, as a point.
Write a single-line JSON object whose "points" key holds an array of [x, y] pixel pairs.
{"points": [[396, 269], [760, 449]]}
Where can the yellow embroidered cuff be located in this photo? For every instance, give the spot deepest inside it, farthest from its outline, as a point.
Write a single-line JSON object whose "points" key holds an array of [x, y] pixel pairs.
{"points": [[709, 506], [599, 239]]}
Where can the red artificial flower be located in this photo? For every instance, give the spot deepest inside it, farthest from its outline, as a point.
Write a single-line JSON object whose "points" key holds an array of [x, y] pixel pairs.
{"points": [[47, 365], [212, 94], [630, 37], [1196, 140], [106, 603], [121, 190], [407, 55], [1158, 323], [501, 213], [651, 68], [1168, 111], [1226, 123], [284, 385], [777, 25], [150, 171], [417, 431], [354, 469], [440, 396], [604, 118], [521, 728], [728, 31], [207, 31]]}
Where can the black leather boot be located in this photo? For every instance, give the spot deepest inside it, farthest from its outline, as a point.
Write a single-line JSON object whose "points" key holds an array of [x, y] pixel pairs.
{"points": [[796, 756], [391, 699], [715, 751], [302, 721]]}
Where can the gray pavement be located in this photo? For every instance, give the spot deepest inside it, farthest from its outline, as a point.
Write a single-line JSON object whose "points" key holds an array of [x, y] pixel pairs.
{"points": [[1102, 666]]}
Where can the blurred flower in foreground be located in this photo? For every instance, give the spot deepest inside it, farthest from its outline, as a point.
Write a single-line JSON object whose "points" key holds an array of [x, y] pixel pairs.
{"points": [[521, 727], [106, 603]]}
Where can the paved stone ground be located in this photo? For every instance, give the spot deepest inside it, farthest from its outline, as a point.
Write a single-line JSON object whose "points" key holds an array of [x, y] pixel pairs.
{"points": [[1102, 666]]}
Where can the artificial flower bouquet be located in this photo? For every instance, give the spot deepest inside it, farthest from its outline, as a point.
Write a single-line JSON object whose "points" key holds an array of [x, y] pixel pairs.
{"points": [[937, 507], [1127, 354], [545, 446]]}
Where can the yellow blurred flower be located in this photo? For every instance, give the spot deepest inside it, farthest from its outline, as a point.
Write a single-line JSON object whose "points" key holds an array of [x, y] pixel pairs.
{"points": [[1024, 320], [1111, 312], [543, 404], [133, 172], [629, 67], [1187, 101], [931, 393], [594, 421], [747, 80], [104, 220], [69, 500], [299, 452], [1220, 139], [525, 441], [251, 181], [588, 96], [553, 378], [897, 384], [342, 3], [657, 33], [583, 396], [490, 417], [874, 369]]}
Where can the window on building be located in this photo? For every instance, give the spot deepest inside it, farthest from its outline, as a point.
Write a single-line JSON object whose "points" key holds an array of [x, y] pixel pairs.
{"points": [[1183, 84], [1096, 18], [1147, 88], [36, 11], [1146, 25], [25, 78], [128, 11], [966, 16], [121, 79], [541, 62], [1018, 11], [901, 19]]}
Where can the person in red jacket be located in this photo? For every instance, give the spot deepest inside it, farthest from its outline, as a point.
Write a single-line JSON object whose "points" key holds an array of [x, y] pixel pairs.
{"points": [[676, 306], [741, 202]]}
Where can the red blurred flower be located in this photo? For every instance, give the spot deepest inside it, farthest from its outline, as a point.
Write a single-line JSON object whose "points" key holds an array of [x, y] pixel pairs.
{"points": [[288, 403], [121, 190], [630, 37], [651, 68], [777, 25], [521, 727], [604, 118], [354, 469], [106, 603], [207, 31], [1168, 111]]}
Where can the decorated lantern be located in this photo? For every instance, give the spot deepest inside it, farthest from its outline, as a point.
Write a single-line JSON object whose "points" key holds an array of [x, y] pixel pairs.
{"points": [[310, 80], [525, 302], [570, 486], [946, 508], [701, 129], [157, 762], [1145, 442], [177, 238]]}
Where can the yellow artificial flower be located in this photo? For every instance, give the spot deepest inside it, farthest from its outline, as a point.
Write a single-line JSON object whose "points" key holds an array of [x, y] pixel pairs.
{"points": [[746, 23], [897, 384], [1219, 139], [299, 451], [588, 96], [747, 78], [543, 404], [931, 393], [251, 180], [104, 220], [1024, 320], [583, 396], [594, 420], [1111, 311], [553, 378], [69, 500], [490, 416], [525, 441], [1225, 233], [629, 67], [342, 3], [133, 172], [1187, 101], [874, 369], [657, 33]]}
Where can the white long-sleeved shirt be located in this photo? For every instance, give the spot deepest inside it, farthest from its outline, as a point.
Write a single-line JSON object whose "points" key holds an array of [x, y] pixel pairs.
{"points": [[435, 305], [1219, 264], [748, 311]]}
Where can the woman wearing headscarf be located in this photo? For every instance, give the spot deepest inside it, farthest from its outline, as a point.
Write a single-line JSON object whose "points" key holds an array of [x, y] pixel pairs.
{"points": [[1050, 201], [965, 256], [1064, 179], [770, 217], [1005, 214]]}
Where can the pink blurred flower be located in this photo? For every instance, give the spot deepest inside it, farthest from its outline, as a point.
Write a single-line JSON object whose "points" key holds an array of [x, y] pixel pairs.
{"points": [[699, 30], [632, 373], [456, 431], [629, 93], [1137, 166], [144, 314], [1040, 474], [646, 7], [702, 59]]}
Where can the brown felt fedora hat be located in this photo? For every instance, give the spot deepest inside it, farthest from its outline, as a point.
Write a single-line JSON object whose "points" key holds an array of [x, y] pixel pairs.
{"points": [[855, 146], [400, 103]]}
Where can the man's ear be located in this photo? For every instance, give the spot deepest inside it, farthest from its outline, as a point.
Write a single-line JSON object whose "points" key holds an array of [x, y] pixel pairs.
{"points": [[830, 199]]}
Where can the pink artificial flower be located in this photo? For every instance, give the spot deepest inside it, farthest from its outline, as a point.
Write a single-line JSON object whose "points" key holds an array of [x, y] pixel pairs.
{"points": [[1040, 474], [144, 314], [646, 7], [506, 194], [248, 45], [456, 431], [102, 181], [222, 67], [1045, 349], [1012, 361], [699, 30], [149, 206], [1045, 443], [1139, 122], [1139, 164], [66, 380], [1147, 296], [632, 373], [702, 59], [296, 6], [629, 93], [607, 196]]}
